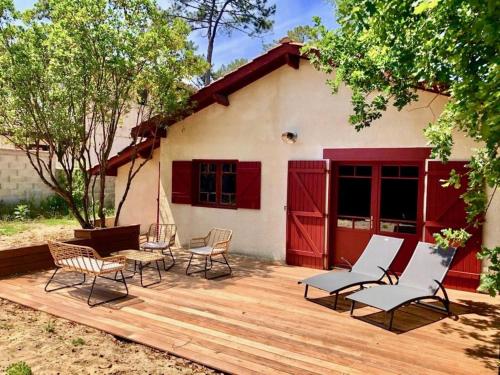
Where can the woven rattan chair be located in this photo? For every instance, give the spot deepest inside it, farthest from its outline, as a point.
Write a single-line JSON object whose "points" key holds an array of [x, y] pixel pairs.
{"points": [[215, 243], [160, 238], [86, 261]]}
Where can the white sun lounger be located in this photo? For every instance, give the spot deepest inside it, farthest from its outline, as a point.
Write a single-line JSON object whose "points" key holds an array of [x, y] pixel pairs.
{"points": [[371, 267], [421, 279]]}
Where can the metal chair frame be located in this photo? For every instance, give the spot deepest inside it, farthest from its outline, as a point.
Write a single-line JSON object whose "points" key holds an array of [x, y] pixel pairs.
{"points": [[219, 240], [64, 256], [165, 233]]}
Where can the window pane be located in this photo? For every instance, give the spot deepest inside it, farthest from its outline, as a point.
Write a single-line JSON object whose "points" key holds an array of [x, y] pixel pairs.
{"points": [[207, 188], [409, 171], [399, 199], [364, 171], [228, 194], [346, 170], [228, 167], [228, 183], [354, 197], [389, 171]]}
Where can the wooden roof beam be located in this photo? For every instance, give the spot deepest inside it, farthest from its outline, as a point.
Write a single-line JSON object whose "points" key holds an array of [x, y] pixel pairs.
{"points": [[292, 60], [221, 99]]}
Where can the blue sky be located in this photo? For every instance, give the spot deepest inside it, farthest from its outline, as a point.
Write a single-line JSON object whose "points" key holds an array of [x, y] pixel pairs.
{"points": [[289, 13]]}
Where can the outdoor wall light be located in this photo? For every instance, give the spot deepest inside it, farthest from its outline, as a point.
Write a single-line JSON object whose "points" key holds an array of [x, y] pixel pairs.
{"points": [[289, 137]]}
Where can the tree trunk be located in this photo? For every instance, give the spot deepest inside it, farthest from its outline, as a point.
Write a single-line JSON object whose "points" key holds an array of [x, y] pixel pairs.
{"points": [[208, 74], [102, 185]]}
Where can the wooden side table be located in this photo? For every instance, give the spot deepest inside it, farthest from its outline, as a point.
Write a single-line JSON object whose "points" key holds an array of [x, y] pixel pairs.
{"points": [[143, 259]]}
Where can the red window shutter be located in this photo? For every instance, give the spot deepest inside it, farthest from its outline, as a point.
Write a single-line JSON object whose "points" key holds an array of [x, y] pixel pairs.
{"points": [[182, 176], [446, 209], [248, 184]]}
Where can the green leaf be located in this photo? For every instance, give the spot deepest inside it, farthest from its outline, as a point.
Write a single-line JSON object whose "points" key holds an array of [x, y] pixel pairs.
{"points": [[425, 5]]}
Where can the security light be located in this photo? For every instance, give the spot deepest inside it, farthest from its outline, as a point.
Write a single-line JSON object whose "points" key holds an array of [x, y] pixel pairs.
{"points": [[289, 137]]}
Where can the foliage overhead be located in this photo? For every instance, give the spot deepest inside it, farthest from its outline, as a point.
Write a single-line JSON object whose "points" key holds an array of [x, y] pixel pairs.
{"points": [[211, 17], [300, 34], [71, 71], [225, 69], [384, 49]]}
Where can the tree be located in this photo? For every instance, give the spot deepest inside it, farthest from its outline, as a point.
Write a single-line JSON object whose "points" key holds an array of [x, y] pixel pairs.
{"points": [[251, 17], [71, 71], [299, 34], [225, 69], [383, 49]]}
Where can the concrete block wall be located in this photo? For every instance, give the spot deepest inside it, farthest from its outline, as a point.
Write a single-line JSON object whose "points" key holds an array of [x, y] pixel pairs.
{"points": [[19, 181]]}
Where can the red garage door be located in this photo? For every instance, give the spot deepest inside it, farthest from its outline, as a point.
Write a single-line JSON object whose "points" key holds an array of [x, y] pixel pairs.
{"points": [[445, 209], [306, 214]]}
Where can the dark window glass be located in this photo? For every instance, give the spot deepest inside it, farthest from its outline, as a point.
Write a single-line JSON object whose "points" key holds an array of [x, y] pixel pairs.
{"points": [[217, 183], [364, 171], [228, 194], [346, 170], [208, 186], [390, 171], [399, 199], [354, 197], [409, 171]]}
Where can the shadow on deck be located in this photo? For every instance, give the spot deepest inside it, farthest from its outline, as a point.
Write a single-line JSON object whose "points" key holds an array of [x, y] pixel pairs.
{"points": [[257, 321]]}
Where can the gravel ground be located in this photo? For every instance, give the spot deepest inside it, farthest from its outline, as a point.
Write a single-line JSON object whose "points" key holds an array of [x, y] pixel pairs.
{"points": [[51, 345]]}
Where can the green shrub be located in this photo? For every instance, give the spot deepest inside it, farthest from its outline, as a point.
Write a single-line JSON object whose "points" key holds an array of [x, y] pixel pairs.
{"points": [[78, 341], [18, 368], [6, 210], [53, 206], [22, 212], [49, 327]]}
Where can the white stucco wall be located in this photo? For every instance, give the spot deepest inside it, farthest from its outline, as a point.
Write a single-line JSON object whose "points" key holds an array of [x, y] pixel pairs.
{"points": [[250, 129], [141, 202]]}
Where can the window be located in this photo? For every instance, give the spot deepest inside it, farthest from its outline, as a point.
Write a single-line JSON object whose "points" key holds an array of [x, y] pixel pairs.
{"points": [[217, 183], [399, 197], [208, 183], [354, 197]]}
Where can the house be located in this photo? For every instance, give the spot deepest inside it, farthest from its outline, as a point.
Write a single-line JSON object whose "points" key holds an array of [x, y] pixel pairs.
{"points": [[268, 152]]}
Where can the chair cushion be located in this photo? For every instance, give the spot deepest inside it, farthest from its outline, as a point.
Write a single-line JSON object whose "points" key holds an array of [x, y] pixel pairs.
{"points": [[160, 245], [90, 264], [205, 250]]}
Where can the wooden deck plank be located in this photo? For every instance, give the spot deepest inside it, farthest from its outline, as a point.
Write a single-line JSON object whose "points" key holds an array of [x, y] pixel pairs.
{"points": [[258, 322]]}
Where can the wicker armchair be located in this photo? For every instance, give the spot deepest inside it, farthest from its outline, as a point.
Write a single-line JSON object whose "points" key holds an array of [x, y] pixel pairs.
{"points": [[215, 243], [160, 238], [86, 261]]}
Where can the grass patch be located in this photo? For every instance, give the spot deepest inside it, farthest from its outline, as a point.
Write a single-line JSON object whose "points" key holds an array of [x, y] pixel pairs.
{"points": [[18, 368], [6, 326], [57, 221], [10, 228], [78, 342], [49, 327]]}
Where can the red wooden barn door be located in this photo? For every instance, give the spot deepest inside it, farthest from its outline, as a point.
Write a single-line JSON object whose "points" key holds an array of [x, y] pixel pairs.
{"points": [[445, 209], [306, 214]]}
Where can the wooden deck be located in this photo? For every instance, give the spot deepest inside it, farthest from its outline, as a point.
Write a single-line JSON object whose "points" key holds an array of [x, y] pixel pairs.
{"points": [[257, 322]]}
